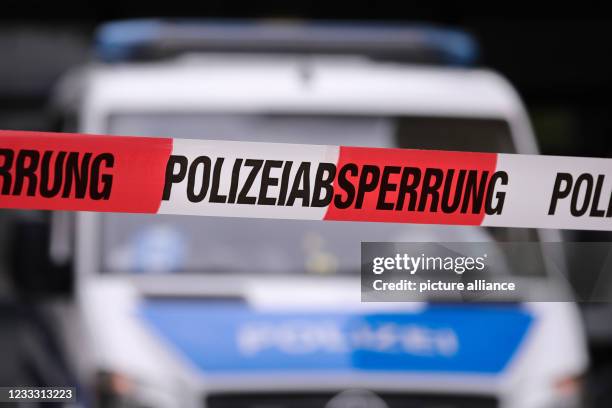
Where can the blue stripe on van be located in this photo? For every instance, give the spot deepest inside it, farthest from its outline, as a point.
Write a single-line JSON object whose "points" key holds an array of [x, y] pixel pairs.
{"points": [[228, 337]]}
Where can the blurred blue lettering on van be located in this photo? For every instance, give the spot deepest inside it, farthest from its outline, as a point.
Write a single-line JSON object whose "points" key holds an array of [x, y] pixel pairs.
{"points": [[226, 337]]}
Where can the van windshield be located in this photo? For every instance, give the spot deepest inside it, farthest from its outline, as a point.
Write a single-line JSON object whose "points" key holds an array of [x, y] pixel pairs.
{"points": [[138, 243]]}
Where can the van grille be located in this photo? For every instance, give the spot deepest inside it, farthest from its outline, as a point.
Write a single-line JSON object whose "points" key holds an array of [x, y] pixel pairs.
{"points": [[322, 400]]}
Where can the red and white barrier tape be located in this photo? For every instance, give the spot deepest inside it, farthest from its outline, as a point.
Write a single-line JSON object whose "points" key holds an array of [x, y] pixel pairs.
{"points": [[55, 171]]}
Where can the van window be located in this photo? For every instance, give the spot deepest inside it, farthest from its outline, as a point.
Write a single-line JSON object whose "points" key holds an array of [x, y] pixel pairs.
{"points": [[138, 243]]}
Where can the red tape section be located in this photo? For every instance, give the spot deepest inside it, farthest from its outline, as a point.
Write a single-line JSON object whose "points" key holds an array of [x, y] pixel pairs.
{"points": [[415, 186], [54, 171]]}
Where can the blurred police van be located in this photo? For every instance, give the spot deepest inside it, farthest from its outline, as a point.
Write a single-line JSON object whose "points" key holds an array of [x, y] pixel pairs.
{"points": [[223, 312]]}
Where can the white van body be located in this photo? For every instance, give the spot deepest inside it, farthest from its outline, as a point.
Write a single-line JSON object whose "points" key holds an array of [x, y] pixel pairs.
{"points": [[122, 342]]}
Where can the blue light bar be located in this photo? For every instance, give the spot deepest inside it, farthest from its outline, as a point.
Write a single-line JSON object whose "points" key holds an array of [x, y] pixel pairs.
{"points": [[131, 40]]}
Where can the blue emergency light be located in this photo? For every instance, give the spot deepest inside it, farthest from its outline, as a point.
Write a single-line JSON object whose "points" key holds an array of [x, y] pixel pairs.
{"points": [[133, 40]]}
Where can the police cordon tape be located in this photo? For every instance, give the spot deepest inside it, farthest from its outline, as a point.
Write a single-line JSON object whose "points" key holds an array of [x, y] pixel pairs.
{"points": [[62, 171]]}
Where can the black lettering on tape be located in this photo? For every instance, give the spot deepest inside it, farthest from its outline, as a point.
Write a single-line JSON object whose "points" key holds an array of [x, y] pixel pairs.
{"points": [[45, 174], [448, 206], [432, 180], [282, 194], [172, 176], [101, 180], [191, 179], [7, 156], [474, 191], [345, 184], [301, 186], [326, 172], [25, 168], [562, 189], [595, 211], [267, 181], [215, 197], [231, 198], [386, 186], [500, 196], [243, 197], [411, 177], [368, 181], [587, 179], [55, 173], [77, 172]]}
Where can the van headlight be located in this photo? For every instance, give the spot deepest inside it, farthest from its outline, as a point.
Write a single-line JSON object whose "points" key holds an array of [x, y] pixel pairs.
{"points": [[119, 390], [569, 391]]}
